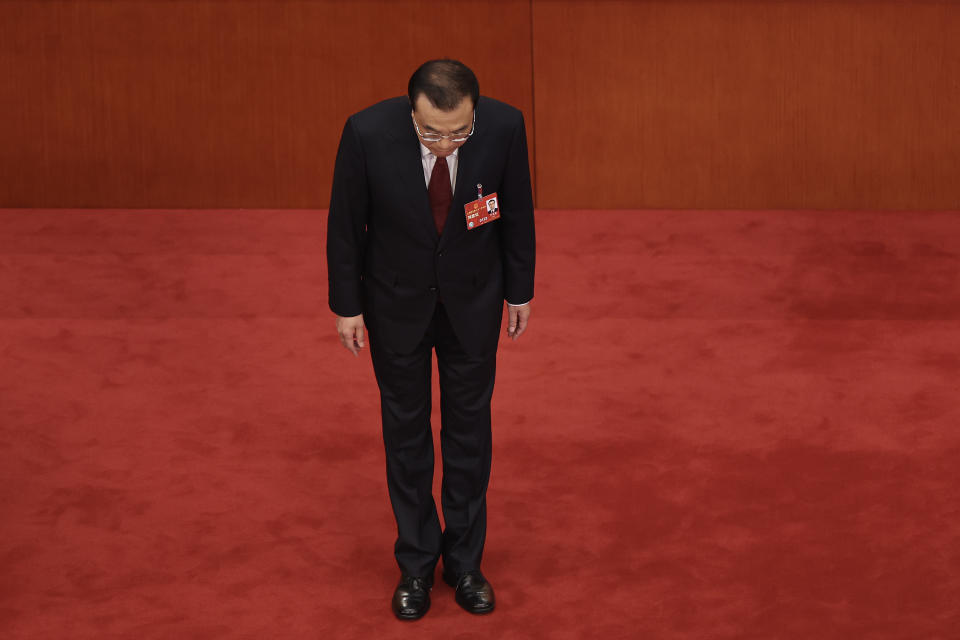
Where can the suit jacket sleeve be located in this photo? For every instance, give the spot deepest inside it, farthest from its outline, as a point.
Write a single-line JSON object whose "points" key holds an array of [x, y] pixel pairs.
{"points": [[518, 239], [347, 226]]}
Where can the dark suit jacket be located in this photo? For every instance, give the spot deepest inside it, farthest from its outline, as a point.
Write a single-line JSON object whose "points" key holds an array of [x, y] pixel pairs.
{"points": [[384, 256]]}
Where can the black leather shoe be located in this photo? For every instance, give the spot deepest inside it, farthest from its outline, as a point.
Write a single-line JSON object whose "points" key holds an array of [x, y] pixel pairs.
{"points": [[474, 593], [412, 597]]}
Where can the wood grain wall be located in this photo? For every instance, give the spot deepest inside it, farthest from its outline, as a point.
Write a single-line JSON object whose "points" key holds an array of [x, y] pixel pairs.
{"points": [[748, 104], [677, 104], [218, 103]]}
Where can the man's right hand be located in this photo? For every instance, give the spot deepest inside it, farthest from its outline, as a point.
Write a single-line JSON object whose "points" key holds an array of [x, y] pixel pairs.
{"points": [[352, 333]]}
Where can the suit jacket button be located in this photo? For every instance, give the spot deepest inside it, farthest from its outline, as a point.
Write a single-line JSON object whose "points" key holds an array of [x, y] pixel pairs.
{"points": [[433, 288]]}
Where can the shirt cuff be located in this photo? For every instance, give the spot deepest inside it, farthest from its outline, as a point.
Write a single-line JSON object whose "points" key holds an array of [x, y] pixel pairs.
{"points": [[510, 304]]}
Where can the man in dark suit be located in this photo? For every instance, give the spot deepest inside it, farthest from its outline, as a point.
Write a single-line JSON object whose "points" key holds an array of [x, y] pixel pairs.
{"points": [[403, 264]]}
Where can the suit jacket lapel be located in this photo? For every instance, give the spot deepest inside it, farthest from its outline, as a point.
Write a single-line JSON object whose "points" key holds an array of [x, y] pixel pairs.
{"points": [[409, 166], [466, 189]]}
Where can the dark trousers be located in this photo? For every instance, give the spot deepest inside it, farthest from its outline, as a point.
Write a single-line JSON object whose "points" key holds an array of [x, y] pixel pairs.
{"points": [[466, 386]]}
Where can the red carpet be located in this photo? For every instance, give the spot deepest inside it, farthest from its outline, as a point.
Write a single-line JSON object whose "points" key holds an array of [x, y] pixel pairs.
{"points": [[720, 425]]}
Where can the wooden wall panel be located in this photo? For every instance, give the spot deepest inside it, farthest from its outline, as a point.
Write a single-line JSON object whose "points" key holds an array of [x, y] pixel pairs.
{"points": [[748, 104], [214, 103], [693, 103]]}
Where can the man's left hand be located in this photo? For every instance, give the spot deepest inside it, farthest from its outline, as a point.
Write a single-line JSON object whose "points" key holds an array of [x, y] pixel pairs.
{"points": [[519, 317]]}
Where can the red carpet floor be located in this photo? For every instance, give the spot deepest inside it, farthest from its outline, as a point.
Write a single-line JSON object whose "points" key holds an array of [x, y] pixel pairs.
{"points": [[720, 425]]}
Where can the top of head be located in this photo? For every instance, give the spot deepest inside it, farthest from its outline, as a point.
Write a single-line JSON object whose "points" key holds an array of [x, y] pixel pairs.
{"points": [[445, 84]]}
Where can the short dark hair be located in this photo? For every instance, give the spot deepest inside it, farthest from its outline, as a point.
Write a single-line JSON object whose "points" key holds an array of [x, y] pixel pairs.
{"points": [[445, 82]]}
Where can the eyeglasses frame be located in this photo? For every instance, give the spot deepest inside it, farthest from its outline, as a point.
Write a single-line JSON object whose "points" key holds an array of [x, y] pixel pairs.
{"points": [[452, 137]]}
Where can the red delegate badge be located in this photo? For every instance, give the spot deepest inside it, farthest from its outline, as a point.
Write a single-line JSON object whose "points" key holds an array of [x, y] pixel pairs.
{"points": [[482, 210]]}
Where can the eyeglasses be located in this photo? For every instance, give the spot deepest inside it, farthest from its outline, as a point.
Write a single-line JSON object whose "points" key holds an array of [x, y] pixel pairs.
{"points": [[453, 137]]}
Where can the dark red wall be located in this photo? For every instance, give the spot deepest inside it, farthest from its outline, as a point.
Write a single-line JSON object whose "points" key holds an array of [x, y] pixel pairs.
{"points": [[722, 104], [215, 103], [739, 104]]}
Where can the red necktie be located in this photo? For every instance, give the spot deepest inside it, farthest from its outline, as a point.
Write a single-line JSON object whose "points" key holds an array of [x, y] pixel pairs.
{"points": [[440, 193]]}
